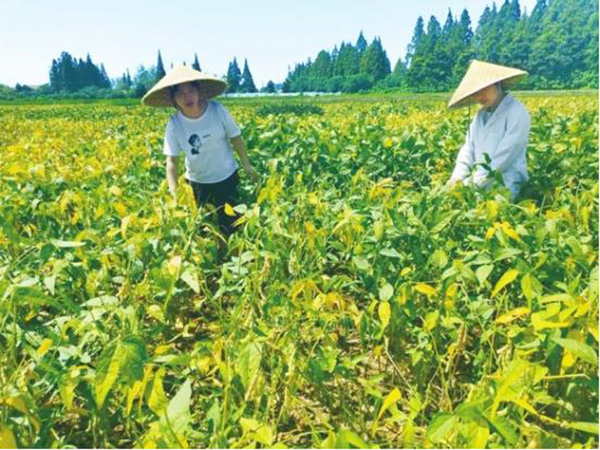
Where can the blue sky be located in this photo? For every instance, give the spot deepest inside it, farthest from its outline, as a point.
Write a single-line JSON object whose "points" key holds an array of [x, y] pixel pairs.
{"points": [[272, 35]]}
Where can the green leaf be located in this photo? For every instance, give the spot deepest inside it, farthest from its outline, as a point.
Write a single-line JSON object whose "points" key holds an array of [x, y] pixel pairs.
{"points": [[443, 223], [508, 277], [361, 263], [27, 295], [178, 411], [248, 362], [483, 272], [390, 253], [386, 292], [505, 429], [126, 357], [108, 372], [588, 427], [257, 431], [440, 427], [191, 279], [439, 258], [579, 349], [134, 357], [66, 244], [214, 416], [527, 286], [345, 438]]}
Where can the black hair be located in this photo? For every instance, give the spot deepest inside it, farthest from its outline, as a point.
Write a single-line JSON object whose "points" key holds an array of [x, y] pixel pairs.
{"points": [[193, 138]]}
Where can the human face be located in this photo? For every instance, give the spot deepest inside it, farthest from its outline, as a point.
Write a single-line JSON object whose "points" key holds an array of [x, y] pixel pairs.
{"points": [[189, 99], [486, 97]]}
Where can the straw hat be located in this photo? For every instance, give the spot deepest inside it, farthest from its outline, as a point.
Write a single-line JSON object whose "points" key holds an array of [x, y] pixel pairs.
{"points": [[159, 94], [481, 75]]}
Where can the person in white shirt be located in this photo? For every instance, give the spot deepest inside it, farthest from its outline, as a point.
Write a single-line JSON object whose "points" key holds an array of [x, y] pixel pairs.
{"points": [[204, 131], [499, 130]]}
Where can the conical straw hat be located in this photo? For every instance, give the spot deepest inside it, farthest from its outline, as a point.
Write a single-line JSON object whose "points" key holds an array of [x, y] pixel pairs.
{"points": [[159, 94], [481, 75]]}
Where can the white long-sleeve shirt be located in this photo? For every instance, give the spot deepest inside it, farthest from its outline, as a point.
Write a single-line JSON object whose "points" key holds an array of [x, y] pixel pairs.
{"points": [[503, 135]]}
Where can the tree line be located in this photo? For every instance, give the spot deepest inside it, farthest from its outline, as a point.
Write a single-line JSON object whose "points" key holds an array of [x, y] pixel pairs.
{"points": [[557, 43]]}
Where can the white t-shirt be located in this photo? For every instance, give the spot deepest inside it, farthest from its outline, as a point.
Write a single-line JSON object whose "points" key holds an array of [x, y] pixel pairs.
{"points": [[503, 135], [205, 143]]}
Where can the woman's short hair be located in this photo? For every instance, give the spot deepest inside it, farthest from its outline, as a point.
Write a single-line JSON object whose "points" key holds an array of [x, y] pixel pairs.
{"points": [[173, 89]]}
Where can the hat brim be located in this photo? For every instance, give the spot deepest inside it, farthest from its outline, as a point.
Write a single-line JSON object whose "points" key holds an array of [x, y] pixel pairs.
{"points": [[160, 94], [481, 75], [467, 98]]}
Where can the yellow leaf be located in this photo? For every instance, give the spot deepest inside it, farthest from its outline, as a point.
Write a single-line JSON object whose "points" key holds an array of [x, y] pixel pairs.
{"points": [[424, 288], [568, 360], [510, 232], [385, 313], [539, 323], [508, 277], [490, 232], [158, 400], [125, 224], [44, 347], [174, 265], [492, 209], [392, 397], [405, 271], [431, 320], [121, 209], [7, 438], [161, 349], [593, 330], [452, 291], [479, 437], [513, 314], [229, 210], [114, 190]]}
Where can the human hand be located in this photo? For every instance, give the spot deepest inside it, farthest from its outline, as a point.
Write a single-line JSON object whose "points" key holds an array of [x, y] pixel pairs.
{"points": [[251, 172], [452, 182]]}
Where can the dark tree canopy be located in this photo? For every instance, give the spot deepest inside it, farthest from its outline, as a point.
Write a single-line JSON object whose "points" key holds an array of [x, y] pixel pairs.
{"points": [[557, 44]]}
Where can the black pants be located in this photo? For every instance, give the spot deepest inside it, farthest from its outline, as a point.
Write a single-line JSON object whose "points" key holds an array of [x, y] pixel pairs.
{"points": [[218, 194]]}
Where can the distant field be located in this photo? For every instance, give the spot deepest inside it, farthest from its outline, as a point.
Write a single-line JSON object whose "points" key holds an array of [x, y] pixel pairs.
{"points": [[360, 304]]}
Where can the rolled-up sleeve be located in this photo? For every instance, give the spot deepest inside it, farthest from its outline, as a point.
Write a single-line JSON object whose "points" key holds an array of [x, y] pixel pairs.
{"points": [[513, 144], [466, 156]]}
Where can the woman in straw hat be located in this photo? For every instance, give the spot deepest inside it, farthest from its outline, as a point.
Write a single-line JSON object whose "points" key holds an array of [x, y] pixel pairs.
{"points": [[202, 130], [500, 128]]}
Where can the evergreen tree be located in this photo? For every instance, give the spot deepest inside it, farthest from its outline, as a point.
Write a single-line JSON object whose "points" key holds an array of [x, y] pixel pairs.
{"points": [[269, 88], [323, 65], [196, 64], [234, 76], [55, 78], [160, 68], [361, 44], [374, 62], [565, 54], [347, 62], [415, 41], [247, 83], [67, 72]]}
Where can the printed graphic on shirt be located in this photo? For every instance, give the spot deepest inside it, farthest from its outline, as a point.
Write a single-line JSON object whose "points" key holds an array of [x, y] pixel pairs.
{"points": [[196, 143]]}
